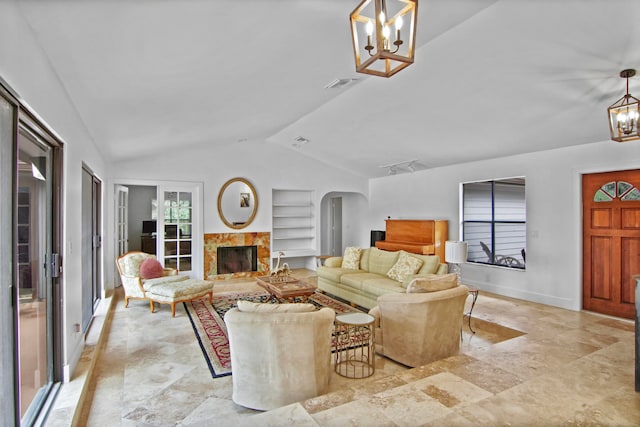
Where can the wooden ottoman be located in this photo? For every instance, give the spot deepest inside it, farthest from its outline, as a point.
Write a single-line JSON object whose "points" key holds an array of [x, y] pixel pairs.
{"points": [[182, 291]]}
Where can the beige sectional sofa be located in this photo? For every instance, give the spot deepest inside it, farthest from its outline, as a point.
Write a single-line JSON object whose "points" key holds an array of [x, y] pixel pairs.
{"points": [[369, 277]]}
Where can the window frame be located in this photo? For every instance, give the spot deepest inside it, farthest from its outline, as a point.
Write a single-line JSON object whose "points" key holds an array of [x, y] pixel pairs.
{"points": [[509, 260]]}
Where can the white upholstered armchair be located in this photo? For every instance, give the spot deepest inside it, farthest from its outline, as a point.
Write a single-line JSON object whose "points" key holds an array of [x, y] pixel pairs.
{"points": [[278, 356], [161, 285], [418, 328], [133, 284]]}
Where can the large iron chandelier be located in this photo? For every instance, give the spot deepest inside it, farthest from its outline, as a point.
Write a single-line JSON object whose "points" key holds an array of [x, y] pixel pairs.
{"points": [[378, 49], [624, 113]]}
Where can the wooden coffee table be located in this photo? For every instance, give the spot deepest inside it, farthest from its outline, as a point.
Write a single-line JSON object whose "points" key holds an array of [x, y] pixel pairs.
{"points": [[285, 288]]}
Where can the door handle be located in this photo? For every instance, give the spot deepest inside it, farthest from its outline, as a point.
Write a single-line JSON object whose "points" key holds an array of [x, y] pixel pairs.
{"points": [[55, 265]]}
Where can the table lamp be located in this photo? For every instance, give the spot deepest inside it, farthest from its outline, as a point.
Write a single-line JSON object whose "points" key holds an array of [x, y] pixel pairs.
{"points": [[455, 253]]}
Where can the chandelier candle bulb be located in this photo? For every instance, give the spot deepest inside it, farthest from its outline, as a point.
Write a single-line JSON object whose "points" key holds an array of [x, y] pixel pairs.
{"points": [[398, 28]]}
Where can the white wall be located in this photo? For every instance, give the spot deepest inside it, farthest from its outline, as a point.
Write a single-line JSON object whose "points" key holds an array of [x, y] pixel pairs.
{"points": [[266, 166], [554, 229], [26, 69]]}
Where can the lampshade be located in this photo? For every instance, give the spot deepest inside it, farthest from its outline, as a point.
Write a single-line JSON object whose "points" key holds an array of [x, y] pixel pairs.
{"points": [[624, 113], [455, 252], [383, 33]]}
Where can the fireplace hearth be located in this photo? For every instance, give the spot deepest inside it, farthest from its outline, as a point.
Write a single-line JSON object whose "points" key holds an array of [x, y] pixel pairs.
{"points": [[237, 259]]}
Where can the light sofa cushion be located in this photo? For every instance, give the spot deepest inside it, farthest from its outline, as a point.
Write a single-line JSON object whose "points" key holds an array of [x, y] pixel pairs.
{"points": [[433, 283], [334, 262], [181, 289], [382, 285], [351, 259], [256, 307], [364, 259], [357, 280], [405, 266], [381, 261], [334, 274], [148, 284]]}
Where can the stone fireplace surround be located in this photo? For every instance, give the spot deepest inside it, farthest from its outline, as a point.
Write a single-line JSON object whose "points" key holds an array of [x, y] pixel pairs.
{"points": [[212, 241]]}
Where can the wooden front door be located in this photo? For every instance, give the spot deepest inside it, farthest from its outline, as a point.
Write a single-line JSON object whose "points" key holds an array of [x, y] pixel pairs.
{"points": [[611, 241]]}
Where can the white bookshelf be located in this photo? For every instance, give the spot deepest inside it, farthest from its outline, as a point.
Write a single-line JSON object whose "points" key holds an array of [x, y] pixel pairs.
{"points": [[293, 227]]}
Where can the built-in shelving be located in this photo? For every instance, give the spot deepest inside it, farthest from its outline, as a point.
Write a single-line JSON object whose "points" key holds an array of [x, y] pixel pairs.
{"points": [[294, 227]]}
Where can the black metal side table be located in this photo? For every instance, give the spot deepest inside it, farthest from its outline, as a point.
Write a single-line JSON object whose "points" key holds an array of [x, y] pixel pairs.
{"points": [[474, 294]]}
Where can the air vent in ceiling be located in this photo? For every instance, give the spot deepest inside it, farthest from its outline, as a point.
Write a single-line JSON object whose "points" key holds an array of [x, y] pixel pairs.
{"points": [[339, 83], [299, 141]]}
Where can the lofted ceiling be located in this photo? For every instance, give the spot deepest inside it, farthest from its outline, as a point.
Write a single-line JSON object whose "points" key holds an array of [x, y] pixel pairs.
{"points": [[490, 79]]}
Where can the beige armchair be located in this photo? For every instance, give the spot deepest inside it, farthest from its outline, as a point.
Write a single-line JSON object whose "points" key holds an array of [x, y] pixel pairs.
{"points": [[278, 356], [418, 328]]}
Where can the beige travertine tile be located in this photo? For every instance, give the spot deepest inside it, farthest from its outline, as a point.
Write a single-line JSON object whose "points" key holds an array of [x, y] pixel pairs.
{"points": [[290, 415], [357, 413], [569, 368]]}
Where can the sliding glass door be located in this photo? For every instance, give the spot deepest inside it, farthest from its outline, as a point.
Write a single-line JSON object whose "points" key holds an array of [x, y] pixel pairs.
{"points": [[35, 268], [8, 401], [30, 238]]}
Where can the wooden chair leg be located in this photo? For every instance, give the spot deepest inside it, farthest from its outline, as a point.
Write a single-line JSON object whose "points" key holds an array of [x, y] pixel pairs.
{"points": [[126, 302], [173, 309], [211, 297], [151, 306]]}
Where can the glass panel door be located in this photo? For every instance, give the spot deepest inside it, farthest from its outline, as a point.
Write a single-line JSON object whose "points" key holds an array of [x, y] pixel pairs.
{"points": [[178, 223], [34, 243]]}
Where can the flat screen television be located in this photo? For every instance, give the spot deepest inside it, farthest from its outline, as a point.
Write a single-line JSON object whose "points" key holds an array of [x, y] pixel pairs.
{"points": [[149, 227]]}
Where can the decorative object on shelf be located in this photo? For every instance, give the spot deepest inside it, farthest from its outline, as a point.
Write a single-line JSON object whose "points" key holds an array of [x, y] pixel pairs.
{"points": [[456, 254], [233, 213], [280, 273], [384, 52], [624, 113]]}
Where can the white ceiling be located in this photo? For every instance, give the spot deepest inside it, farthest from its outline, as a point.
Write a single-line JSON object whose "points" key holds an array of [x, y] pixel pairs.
{"points": [[490, 79]]}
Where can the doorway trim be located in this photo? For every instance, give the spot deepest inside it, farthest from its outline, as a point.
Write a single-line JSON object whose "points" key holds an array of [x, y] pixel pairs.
{"points": [[577, 173], [198, 223]]}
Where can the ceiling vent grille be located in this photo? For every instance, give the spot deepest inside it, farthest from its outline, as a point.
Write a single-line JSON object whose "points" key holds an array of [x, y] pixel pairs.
{"points": [[339, 83], [299, 141]]}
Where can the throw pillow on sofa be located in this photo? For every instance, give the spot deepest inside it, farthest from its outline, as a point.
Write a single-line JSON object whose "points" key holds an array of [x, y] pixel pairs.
{"points": [[405, 266], [351, 259], [433, 283]]}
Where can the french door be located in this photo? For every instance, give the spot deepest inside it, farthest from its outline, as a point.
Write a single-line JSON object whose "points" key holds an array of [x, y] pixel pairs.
{"points": [[122, 223], [179, 236]]}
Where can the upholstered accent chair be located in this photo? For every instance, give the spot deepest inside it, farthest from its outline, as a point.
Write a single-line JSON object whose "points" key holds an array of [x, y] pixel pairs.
{"points": [[418, 328], [169, 288], [280, 353]]}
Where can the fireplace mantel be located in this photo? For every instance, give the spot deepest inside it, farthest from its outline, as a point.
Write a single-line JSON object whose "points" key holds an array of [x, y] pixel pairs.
{"points": [[212, 241]]}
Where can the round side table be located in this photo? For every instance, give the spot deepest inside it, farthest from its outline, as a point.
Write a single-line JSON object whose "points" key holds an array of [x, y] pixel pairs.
{"points": [[354, 345]]}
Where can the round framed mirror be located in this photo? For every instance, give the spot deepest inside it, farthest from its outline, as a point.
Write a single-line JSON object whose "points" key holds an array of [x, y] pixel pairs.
{"points": [[237, 203]]}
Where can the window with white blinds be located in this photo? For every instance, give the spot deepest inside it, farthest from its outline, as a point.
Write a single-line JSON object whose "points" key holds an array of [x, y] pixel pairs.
{"points": [[495, 222]]}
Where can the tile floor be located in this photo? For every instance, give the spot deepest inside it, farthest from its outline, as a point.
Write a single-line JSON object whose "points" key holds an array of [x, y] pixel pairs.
{"points": [[540, 366]]}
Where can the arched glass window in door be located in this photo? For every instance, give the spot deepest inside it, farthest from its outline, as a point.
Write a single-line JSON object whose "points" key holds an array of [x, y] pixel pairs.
{"points": [[620, 189]]}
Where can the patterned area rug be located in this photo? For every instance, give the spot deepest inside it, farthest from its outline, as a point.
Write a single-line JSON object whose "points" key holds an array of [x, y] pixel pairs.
{"points": [[211, 332]]}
